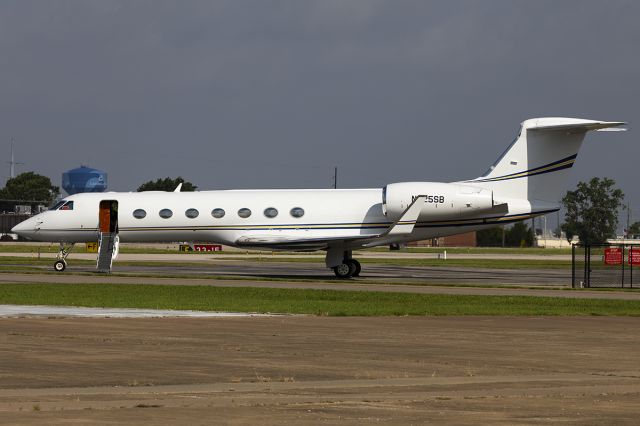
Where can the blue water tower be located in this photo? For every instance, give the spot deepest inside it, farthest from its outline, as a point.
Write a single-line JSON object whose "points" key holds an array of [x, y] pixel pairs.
{"points": [[84, 179]]}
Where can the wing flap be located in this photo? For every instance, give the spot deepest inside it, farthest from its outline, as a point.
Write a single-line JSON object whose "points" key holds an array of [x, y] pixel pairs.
{"points": [[297, 243], [269, 240]]}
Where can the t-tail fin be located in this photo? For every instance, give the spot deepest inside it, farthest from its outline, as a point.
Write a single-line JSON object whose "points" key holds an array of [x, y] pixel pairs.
{"points": [[536, 165]]}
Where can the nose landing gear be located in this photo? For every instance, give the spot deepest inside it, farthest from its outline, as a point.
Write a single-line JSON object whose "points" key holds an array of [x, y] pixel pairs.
{"points": [[61, 260], [60, 265]]}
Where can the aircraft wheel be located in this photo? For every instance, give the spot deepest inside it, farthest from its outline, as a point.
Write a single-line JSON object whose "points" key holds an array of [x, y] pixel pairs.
{"points": [[357, 268], [344, 270], [60, 265]]}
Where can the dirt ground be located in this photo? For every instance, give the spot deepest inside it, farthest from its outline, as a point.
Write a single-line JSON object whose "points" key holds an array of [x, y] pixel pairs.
{"points": [[319, 370]]}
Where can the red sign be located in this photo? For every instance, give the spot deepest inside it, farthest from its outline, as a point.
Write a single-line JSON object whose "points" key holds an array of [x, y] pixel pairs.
{"points": [[613, 256], [634, 256], [207, 247]]}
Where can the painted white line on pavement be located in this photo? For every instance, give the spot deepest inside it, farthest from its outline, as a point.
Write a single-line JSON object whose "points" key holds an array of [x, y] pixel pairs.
{"points": [[29, 310]]}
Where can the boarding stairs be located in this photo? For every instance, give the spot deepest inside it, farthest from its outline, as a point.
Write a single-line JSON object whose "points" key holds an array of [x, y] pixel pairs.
{"points": [[107, 251]]}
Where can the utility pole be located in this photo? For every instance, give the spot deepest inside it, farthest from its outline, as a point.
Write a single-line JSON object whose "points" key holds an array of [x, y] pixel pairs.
{"points": [[335, 177], [12, 163], [533, 230], [626, 234]]}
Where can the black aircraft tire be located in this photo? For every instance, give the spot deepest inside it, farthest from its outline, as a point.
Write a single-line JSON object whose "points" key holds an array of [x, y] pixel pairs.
{"points": [[357, 268], [344, 270], [60, 265]]}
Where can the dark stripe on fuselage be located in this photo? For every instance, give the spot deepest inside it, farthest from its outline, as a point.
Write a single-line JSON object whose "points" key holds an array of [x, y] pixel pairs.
{"points": [[565, 163]]}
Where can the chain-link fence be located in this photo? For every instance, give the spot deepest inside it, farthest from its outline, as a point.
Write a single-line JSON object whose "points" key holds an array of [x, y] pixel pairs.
{"points": [[606, 265]]}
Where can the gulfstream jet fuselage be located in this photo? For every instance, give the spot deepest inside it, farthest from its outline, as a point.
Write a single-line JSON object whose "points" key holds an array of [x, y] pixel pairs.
{"points": [[526, 181]]}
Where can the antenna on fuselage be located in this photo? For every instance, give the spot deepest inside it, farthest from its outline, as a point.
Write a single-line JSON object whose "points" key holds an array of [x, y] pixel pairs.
{"points": [[335, 177]]}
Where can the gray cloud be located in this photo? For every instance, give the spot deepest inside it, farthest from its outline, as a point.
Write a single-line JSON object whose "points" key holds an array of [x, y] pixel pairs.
{"points": [[275, 93]]}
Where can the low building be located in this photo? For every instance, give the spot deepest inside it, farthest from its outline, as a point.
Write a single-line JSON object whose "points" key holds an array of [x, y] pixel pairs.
{"points": [[552, 242], [467, 239]]}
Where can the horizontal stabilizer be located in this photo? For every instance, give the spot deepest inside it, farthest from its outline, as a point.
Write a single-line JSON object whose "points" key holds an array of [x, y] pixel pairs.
{"points": [[577, 126], [612, 129]]}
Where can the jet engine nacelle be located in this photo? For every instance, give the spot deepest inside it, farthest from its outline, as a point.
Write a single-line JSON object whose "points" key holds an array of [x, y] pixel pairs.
{"points": [[442, 200]]}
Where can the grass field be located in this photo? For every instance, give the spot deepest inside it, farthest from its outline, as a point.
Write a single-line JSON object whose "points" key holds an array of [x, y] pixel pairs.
{"points": [[296, 301]]}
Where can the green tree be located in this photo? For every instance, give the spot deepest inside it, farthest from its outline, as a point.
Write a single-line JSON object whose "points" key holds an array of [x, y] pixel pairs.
{"points": [[592, 211], [30, 187], [634, 229], [167, 184], [490, 237], [519, 235]]}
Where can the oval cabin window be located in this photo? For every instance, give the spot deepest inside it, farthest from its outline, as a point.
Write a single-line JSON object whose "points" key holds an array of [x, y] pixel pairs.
{"points": [[165, 213], [270, 212], [217, 213], [191, 213], [244, 212], [297, 212], [139, 214]]}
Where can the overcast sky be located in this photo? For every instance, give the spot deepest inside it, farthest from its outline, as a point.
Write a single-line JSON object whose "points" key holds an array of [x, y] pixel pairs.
{"points": [[269, 94]]}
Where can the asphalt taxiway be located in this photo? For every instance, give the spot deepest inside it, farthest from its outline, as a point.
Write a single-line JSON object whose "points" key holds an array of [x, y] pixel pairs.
{"points": [[269, 267]]}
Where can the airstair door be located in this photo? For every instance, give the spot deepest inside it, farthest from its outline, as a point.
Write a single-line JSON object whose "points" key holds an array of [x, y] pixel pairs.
{"points": [[108, 241]]}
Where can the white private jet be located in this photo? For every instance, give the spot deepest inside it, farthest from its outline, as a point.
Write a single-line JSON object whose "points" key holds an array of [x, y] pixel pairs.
{"points": [[527, 180]]}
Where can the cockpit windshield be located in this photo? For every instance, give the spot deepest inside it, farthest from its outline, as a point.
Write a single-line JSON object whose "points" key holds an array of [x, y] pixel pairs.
{"points": [[493, 166], [57, 205], [63, 205]]}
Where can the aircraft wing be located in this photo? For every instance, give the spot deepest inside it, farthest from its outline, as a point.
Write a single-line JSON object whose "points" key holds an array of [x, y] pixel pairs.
{"points": [[403, 226], [295, 242]]}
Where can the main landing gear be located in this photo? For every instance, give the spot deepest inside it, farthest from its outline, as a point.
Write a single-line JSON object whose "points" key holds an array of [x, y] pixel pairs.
{"points": [[343, 265], [347, 269], [61, 260]]}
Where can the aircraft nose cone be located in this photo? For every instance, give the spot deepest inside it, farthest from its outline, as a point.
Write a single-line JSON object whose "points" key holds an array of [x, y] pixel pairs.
{"points": [[25, 229]]}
